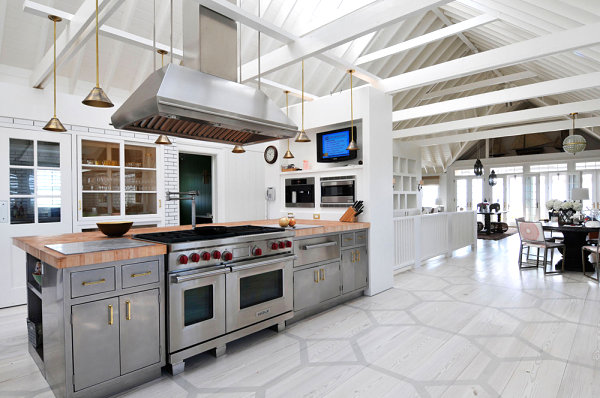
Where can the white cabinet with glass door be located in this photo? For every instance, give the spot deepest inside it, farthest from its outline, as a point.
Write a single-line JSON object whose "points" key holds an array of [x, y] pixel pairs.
{"points": [[118, 180], [34, 198]]}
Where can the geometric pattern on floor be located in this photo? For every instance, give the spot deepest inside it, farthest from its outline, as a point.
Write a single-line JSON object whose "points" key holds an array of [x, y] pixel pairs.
{"points": [[472, 325]]}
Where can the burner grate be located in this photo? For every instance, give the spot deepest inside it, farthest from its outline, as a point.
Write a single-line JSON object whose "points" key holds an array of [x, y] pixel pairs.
{"points": [[206, 233]]}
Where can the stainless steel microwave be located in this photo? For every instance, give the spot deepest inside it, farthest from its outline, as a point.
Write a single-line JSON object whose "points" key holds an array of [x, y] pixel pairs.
{"points": [[338, 191]]}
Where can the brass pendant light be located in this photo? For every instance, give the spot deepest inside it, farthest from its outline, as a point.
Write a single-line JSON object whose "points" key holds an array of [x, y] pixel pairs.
{"points": [[54, 124], [162, 56], [352, 145], [163, 140], [302, 137], [238, 149], [288, 153], [97, 97]]}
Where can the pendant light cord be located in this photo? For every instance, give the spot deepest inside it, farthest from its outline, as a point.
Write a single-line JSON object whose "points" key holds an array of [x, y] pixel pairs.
{"points": [[259, 48], [303, 95], [171, 31], [287, 111], [154, 35], [351, 108], [54, 68], [97, 56]]}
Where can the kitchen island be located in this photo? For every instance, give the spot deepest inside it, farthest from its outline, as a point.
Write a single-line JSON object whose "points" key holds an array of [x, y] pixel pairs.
{"points": [[98, 320]]}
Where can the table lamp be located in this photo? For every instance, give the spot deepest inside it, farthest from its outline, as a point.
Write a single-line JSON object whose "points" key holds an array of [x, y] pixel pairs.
{"points": [[580, 194]]}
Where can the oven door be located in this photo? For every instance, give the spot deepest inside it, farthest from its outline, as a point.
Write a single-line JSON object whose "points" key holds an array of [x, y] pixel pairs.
{"points": [[196, 307], [340, 192], [258, 291]]}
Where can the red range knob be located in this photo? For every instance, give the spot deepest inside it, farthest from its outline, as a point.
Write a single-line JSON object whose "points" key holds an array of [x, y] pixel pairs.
{"points": [[216, 254], [195, 257], [258, 251], [274, 246], [205, 256], [281, 245], [288, 243], [183, 259], [227, 256]]}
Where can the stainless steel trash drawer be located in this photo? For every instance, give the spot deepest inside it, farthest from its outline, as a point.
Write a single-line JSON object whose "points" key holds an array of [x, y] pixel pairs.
{"points": [[317, 249], [139, 274], [84, 283]]}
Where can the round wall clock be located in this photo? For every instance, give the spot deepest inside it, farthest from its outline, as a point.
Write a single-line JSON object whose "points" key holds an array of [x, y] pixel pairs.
{"points": [[270, 154]]}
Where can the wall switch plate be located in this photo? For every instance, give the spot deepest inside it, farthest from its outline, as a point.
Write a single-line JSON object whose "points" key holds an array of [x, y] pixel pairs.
{"points": [[316, 216]]}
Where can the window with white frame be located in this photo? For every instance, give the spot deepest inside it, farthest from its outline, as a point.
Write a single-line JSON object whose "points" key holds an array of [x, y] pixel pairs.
{"points": [[508, 170], [464, 172], [587, 166], [540, 168]]}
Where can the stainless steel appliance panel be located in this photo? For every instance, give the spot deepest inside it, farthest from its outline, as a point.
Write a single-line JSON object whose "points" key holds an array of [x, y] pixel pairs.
{"points": [[338, 191], [360, 238], [196, 306], [95, 342], [329, 281], [84, 283], [312, 250], [361, 273], [306, 288], [139, 330], [139, 274], [348, 270], [348, 239], [259, 290]]}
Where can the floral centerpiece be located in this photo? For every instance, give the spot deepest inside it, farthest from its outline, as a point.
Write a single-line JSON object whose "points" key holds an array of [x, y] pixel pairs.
{"points": [[564, 210]]}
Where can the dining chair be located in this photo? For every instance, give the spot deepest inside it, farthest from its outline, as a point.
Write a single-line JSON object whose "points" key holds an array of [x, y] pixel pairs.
{"points": [[532, 235], [593, 249]]}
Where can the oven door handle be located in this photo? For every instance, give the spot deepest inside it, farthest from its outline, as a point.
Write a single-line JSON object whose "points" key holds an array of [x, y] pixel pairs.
{"points": [[199, 275], [319, 245], [249, 265]]}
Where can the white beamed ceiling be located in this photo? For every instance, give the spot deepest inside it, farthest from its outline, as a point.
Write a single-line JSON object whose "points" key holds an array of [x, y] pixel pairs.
{"points": [[25, 39]]}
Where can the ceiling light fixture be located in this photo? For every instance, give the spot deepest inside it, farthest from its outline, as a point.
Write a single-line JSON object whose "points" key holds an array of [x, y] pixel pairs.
{"points": [[238, 149], [352, 145], [97, 97], [302, 137], [288, 153], [574, 143], [54, 124]]}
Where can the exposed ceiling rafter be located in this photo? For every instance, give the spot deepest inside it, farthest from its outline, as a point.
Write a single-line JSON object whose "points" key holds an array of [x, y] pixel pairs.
{"points": [[566, 40], [71, 40]]}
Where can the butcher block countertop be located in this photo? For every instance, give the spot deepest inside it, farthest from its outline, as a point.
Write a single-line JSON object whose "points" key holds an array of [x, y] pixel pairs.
{"points": [[36, 245]]}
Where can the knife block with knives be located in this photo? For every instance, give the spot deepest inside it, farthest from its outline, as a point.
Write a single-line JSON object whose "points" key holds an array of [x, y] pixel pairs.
{"points": [[352, 212]]}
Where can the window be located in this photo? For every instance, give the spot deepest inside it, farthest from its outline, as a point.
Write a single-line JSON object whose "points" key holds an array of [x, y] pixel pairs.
{"points": [[508, 170], [35, 181], [464, 172], [431, 194], [587, 166], [538, 168]]}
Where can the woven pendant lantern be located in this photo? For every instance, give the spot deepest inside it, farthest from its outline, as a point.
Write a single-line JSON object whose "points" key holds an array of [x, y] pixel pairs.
{"points": [[574, 142]]}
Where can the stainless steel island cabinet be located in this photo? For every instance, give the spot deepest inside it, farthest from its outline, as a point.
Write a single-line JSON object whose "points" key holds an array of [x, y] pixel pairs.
{"points": [[100, 328], [329, 269]]}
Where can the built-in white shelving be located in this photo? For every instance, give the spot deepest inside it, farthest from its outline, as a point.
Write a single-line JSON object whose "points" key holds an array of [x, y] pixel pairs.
{"points": [[406, 178]]}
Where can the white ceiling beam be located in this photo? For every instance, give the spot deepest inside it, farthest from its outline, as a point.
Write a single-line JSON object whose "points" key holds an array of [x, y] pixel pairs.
{"points": [[293, 91], [81, 28], [527, 115], [510, 131], [566, 40], [253, 21], [541, 89], [440, 14], [428, 38], [349, 27], [480, 84], [106, 31]]}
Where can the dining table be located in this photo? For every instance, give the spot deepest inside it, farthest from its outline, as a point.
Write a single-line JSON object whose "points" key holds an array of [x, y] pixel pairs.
{"points": [[575, 237]]}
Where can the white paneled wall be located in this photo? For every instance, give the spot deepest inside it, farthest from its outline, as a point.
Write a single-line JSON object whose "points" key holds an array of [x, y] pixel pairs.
{"points": [[418, 238]]}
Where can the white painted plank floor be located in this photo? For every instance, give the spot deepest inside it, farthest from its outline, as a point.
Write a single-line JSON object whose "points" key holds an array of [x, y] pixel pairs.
{"points": [[472, 325]]}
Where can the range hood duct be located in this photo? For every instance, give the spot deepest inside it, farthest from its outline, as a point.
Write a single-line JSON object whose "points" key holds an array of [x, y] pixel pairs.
{"points": [[192, 102]]}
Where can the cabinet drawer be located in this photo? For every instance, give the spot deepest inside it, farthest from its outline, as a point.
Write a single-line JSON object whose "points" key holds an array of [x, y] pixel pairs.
{"points": [[139, 274], [84, 283], [348, 239], [360, 238], [313, 250]]}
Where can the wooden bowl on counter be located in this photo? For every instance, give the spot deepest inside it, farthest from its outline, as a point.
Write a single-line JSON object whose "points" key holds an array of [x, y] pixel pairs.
{"points": [[114, 229]]}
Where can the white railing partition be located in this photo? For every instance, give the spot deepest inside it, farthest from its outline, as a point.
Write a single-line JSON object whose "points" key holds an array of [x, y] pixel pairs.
{"points": [[418, 238]]}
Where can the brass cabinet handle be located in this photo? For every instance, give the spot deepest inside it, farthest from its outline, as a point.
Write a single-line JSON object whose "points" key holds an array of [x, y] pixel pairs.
{"points": [[316, 274], [322, 274], [353, 256], [110, 314], [141, 274], [93, 282], [128, 310], [358, 254]]}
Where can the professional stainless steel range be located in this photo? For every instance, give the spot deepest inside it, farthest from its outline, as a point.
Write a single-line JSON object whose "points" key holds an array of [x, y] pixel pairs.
{"points": [[224, 283]]}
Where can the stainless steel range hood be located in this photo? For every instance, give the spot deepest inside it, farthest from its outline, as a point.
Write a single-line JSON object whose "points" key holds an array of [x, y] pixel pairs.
{"points": [[184, 102]]}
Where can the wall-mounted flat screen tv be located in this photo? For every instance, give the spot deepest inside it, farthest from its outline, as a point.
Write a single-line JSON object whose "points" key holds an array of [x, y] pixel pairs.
{"points": [[331, 146]]}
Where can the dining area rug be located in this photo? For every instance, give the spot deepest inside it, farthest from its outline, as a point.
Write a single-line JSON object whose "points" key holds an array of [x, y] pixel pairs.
{"points": [[497, 236]]}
